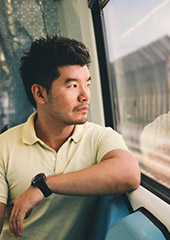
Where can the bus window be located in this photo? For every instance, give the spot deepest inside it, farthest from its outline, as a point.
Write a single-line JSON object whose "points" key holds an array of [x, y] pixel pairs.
{"points": [[137, 40]]}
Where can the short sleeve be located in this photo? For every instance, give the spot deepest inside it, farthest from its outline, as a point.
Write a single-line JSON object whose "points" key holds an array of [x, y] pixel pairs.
{"points": [[3, 182], [109, 140]]}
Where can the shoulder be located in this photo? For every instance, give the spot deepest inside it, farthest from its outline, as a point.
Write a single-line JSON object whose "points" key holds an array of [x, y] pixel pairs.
{"points": [[9, 140], [11, 134], [103, 139], [19, 131], [100, 131]]}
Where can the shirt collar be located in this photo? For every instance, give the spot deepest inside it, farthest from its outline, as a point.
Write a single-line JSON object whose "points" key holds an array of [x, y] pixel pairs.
{"points": [[29, 134], [77, 133]]}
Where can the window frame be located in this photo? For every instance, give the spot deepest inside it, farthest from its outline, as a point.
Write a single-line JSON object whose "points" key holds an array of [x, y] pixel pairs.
{"points": [[111, 112], [108, 101]]}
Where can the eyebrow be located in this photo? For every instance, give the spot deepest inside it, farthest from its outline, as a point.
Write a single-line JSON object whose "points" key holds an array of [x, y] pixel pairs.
{"points": [[74, 80]]}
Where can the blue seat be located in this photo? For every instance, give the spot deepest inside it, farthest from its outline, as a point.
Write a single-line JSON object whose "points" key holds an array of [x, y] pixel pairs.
{"points": [[135, 226]]}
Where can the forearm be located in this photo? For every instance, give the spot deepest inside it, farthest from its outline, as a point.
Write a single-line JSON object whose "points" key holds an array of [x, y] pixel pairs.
{"points": [[90, 181], [108, 177]]}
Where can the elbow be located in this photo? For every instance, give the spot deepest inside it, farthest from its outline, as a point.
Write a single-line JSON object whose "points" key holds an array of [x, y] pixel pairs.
{"points": [[126, 183], [135, 183], [134, 175], [134, 180]]}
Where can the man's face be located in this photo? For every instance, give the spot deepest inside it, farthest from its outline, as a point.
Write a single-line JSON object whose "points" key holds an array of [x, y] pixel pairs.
{"points": [[68, 99]]}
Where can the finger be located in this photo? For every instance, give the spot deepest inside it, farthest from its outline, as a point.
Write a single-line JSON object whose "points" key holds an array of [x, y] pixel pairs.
{"points": [[13, 222], [16, 222], [20, 226]]}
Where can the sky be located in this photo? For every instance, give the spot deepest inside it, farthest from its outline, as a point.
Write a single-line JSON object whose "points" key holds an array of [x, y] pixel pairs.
{"points": [[132, 24]]}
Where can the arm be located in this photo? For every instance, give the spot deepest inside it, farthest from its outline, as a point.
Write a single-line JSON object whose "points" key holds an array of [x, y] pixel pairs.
{"points": [[2, 215], [117, 172]]}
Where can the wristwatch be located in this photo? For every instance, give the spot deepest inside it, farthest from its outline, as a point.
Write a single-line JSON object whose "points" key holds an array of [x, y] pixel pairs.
{"points": [[40, 181]]}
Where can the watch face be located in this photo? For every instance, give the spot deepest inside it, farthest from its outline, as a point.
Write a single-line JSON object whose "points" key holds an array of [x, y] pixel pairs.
{"points": [[38, 178]]}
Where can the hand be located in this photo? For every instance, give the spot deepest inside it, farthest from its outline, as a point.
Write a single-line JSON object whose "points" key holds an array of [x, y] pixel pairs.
{"points": [[22, 209]]}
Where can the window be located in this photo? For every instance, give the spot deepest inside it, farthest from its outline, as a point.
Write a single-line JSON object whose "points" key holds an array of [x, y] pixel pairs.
{"points": [[137, 39]]}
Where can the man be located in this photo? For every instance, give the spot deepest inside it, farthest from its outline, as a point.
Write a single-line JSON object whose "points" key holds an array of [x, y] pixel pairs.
{"points": [[58, 149]]}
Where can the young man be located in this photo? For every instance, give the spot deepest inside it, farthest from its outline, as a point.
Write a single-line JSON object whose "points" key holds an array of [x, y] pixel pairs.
{"points": [[58, 149]]}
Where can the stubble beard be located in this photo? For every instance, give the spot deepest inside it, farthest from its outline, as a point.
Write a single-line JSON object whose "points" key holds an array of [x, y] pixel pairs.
{"points": [[76, 122]]}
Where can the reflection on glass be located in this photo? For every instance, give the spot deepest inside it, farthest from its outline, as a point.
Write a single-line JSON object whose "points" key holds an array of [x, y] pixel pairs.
{"points": [[155, 146], [138, 42]]}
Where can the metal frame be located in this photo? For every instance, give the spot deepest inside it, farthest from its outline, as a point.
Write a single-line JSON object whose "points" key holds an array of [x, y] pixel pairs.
{"points": [[110, 108]]}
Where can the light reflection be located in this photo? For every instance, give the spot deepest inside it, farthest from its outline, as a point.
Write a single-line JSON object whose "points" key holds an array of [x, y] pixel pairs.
{"points": [[6, 69], [2, 57], [145, 18]]}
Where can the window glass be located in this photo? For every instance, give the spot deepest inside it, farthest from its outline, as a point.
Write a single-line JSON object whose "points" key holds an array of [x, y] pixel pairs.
{"points": [[138, 44]]}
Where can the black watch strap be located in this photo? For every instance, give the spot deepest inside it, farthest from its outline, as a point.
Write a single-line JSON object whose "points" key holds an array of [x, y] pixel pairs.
{"points": [[40, 181], [44, 189]]}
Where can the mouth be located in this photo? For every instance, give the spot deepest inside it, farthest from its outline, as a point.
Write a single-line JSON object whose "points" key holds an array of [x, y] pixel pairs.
{"points": [[82, 107], [83, 110]]}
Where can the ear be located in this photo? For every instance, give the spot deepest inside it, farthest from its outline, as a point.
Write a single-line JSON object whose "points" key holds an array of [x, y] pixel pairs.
{"points": [[39, 93]]}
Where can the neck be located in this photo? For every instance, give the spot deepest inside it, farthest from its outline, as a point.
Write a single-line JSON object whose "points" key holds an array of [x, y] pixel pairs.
{"points": [[52, 134]]}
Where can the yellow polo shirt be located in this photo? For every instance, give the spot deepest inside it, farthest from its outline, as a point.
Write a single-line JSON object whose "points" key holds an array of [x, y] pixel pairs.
{"points": [[23, 155]]}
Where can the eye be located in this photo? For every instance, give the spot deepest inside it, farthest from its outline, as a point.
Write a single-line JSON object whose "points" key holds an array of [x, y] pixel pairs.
{"points": [[73, 86]]}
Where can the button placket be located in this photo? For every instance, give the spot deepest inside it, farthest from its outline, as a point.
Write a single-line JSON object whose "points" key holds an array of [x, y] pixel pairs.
{"points": [[62, 159]]}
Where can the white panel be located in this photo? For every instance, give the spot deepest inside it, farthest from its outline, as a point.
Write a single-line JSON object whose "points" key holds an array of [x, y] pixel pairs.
{"points": [[141, 197]]}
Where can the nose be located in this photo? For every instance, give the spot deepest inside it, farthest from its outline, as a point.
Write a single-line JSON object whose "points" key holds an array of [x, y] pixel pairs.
{"points": [[84, 95]]}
